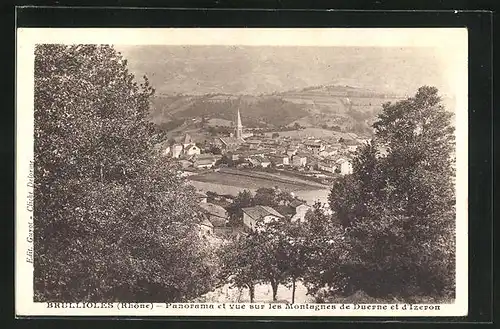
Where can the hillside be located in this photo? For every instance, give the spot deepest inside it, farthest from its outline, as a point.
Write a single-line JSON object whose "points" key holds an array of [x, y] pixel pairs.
{"points": [[339, 108], [342, 108], [255, 111], [331, 87]]}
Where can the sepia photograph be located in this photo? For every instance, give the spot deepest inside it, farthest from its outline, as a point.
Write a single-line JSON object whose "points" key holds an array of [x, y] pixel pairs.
{"points": [[242, 172]]}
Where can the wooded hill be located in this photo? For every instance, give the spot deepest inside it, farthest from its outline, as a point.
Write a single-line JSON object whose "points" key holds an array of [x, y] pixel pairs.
{"points": [[343, 107]]}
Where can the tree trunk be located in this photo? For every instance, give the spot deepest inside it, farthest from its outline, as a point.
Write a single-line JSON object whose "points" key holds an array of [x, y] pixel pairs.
{"points": [[293, 290], [274, 285], [251, 290]]}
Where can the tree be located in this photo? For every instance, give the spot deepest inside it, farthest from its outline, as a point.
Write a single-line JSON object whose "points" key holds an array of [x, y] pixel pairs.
{"points": [[211, 196], [295, 248], [111, 218], [240, 266], [284, 198], [326, 251], [272, 257], [266, 197], [243, 199], [398, 208], [275, 135], [259, 256]]}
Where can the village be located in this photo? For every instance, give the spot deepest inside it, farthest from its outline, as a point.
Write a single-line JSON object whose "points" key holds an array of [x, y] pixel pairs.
{"points": [[277, 160]]}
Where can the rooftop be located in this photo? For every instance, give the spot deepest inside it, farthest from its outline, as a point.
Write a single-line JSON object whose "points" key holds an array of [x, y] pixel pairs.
{"points": [[231, 140], [259, 212], [214, 210], [204, 156], [302, 155], [295, 203], [341, 160]]}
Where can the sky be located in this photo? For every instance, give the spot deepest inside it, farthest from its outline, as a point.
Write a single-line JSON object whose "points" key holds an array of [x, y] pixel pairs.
{"points": [[202, 69]]}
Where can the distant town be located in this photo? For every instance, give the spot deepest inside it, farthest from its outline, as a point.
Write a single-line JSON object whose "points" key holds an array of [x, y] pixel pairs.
{"points": [[248, 159]]}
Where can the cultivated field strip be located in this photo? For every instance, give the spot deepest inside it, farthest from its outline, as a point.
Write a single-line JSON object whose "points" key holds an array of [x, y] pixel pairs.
{"points": [[272, 177]]}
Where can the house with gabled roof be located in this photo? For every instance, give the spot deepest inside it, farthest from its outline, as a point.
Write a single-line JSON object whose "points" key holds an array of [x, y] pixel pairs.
{"points": [[329, 151], [204, 161], [328, 166], [315, 146], [217, 216], [265, 162], [230, 143], [192, 150], [254, 216], [254, 161], [299, 160]]}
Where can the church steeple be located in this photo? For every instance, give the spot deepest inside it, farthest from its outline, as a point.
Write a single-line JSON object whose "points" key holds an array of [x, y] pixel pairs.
{"points": [[239, 127]]}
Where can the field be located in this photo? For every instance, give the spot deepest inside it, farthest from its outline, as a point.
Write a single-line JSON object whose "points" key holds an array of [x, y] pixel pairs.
{"points": [[244, 182], [255, 179], [227, 183]]}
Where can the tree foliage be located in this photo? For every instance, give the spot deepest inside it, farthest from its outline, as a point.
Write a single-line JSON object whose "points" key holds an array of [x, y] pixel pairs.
{"points": [[112, 222], [242, 200], [398, 206], [266, 197], [326, 253], [274, 266], [276, 253], [240, 265]]}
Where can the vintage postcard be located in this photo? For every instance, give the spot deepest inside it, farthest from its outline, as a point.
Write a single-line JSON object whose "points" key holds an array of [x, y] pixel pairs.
{"points": [[241, 172]]}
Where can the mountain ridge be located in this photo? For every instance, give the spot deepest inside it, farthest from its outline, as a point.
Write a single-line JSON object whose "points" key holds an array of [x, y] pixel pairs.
{"points": [[198, 70]]}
